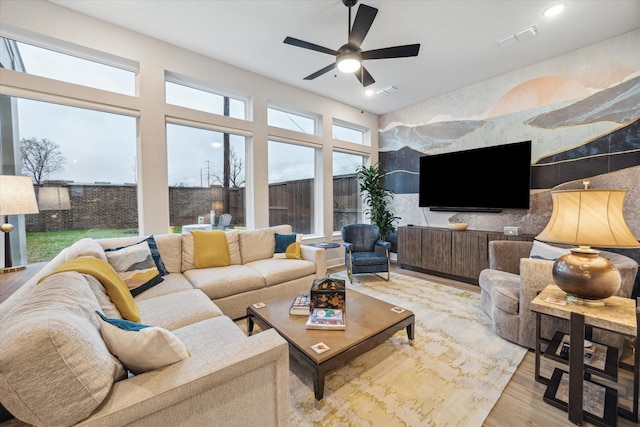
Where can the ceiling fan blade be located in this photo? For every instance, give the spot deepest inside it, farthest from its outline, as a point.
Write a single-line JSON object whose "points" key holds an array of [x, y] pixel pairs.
{"points": [[321, 72], [362, 23], [310, 46], [392, 52], [364, 77]]}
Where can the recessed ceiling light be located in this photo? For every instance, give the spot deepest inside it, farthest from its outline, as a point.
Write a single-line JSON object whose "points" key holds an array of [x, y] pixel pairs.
{"points": [[554, 10], [369, 92]]}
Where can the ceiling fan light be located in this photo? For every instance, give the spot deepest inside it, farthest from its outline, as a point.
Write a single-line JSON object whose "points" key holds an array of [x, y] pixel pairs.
{"points": [[554, 10], [349, 63]]}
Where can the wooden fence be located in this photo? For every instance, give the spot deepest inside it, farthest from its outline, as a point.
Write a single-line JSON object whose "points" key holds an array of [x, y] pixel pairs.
{"points": [[105, 206]]}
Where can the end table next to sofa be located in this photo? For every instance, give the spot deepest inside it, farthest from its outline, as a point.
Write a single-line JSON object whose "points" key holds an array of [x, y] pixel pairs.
{"points": [[618, 315]]}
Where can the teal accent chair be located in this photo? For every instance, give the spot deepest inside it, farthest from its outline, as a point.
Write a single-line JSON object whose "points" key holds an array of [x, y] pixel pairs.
{"points": [[360, 255]]}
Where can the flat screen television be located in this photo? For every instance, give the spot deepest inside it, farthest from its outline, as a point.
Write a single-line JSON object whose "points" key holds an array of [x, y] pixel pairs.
{"points": [[486, 179]]}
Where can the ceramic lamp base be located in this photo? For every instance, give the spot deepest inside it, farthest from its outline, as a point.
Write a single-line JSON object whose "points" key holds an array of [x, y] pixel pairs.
{"points": [[586, 276]]}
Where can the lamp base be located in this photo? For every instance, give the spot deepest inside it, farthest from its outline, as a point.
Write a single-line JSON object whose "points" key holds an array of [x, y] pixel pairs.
{"points": [[12, 269], [584, 274], [572, 299]]}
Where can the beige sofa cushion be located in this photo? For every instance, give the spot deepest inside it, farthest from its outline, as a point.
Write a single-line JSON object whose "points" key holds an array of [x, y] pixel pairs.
{"points": [[188, 260], [59, 372], [220, 282], [220, 331], [107, 307], [85, 247], [176, 310], [170, 248], [173, 282], [259, 244], [276, 271]]}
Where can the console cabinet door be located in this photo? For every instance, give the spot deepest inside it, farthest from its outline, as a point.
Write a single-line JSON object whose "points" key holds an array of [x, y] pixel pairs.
{"points": [[436, 250], [469, 254], [409, 246]]}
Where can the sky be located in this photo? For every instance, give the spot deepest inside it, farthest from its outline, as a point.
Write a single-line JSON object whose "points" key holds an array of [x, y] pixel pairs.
{"points": [[101, 146]]}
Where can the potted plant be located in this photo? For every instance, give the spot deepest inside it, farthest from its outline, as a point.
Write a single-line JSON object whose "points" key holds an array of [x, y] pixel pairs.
{"points": [[377, 198]]}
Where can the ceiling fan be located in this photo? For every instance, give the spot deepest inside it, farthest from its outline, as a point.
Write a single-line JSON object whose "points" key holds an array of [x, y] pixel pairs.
{"points": [[349, 56]]}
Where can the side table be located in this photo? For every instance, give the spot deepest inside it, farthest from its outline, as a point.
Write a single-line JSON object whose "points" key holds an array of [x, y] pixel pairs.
{"points": [[325, 245], [618, 315]]}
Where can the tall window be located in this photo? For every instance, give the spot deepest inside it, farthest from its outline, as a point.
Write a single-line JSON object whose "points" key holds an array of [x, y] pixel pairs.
{"points": [[347, 132], [292, 186], [83, 165], [202, 100], [347, 203], [292, 121], [206, 177], [48, 63]]}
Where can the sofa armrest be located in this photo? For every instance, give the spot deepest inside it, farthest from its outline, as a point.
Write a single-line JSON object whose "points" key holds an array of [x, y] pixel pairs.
{"points": [[505, 255], [244, 383], [318, 256], [535, 275]]}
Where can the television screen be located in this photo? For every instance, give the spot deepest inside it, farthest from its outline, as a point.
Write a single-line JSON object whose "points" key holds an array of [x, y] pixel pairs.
{"points": [[486, 179]]}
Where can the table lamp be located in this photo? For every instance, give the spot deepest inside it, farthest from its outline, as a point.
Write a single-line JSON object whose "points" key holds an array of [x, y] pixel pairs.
{"points": [[17, 197], [587, 218]]}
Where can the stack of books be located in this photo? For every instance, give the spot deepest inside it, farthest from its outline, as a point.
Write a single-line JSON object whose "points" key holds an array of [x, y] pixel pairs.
{"points": [[326, 318], [300, 305]]}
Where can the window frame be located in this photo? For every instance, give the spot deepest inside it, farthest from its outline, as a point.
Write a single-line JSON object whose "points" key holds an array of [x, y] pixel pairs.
{"points": [[315, 117], [195, 84]]}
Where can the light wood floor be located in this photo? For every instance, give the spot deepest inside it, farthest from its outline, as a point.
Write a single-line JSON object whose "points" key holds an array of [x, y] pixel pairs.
{"points": [[521, 402]]}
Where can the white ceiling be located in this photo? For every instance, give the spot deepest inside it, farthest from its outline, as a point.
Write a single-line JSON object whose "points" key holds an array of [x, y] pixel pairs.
{"points": [[458, 38]]}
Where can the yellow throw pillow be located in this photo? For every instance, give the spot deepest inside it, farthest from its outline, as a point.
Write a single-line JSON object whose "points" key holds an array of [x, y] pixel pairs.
{"points": [[210, 249], [293, 251], [287, 246]]}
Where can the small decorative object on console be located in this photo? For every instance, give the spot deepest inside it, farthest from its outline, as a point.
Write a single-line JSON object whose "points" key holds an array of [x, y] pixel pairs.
{"points": [[300, 305], [511, 231]]}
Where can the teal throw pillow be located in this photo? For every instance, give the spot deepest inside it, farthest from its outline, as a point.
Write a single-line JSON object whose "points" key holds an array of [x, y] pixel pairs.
{"points": [[283, 241]]}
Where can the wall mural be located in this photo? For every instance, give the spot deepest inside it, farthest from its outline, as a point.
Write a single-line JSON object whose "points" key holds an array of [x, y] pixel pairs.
{"points": [[580, 110]]}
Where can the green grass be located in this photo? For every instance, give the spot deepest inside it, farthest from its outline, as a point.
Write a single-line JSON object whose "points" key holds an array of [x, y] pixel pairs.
{"points": [[43, 246]]}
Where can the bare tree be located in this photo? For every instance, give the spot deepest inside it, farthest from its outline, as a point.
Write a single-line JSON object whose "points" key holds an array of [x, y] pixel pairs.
{"points": [[236, 171], [40, 158]]}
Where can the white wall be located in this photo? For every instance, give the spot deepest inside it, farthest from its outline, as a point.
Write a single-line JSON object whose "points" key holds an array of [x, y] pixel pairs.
{"points": [[154, 57]]}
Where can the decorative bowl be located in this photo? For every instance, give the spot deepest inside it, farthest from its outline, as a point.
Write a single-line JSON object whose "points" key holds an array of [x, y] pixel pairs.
{"points": [[457, 226]]}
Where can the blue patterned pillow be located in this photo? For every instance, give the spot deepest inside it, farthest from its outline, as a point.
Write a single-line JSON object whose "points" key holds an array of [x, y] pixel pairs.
{"points": [[155, 253], [136, 266]]}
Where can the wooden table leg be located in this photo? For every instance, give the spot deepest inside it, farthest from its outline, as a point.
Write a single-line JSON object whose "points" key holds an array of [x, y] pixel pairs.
{"points": [[249, 323], [576, 367], [411, 327], [318, 384]]}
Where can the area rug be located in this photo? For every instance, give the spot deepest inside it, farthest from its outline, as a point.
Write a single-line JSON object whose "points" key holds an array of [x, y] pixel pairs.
{"points": [[452, 375]]}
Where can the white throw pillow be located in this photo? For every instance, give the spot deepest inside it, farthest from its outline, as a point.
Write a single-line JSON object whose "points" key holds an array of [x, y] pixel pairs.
{"points": [[541, 250], [141, 348]]}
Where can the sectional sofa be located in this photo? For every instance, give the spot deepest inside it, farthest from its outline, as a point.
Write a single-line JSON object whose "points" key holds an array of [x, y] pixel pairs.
{"points": [[78, 350]]}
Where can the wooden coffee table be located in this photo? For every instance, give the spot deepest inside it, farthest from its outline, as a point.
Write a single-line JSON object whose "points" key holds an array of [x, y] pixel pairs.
{"points": [[369, 322]]}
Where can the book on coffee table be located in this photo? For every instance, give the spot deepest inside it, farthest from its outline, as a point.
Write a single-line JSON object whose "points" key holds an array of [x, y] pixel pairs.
{"points": [[326, 318], [300, 305]]}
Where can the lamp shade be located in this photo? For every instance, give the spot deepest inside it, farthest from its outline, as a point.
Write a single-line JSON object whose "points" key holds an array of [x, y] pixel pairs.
{"points": [[588, 218], [17, 196], [54, 199]]}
